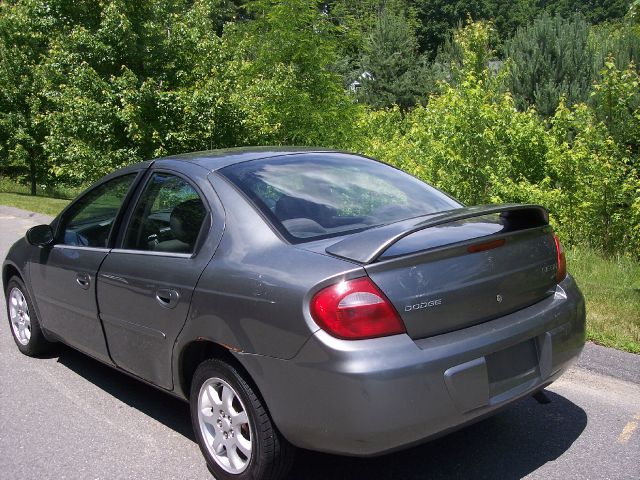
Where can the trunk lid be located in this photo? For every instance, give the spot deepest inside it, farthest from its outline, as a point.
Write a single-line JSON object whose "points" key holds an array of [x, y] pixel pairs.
{"points": [[459, 268]]}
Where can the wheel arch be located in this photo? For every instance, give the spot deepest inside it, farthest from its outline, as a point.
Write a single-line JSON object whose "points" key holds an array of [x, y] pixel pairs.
{"points": [[197, 351], [10, 270]]}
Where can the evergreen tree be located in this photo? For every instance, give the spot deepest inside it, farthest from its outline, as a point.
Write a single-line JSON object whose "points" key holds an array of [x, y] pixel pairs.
{"points": [[355, 21], [392, 70], [550, 59], [633, 15], [621, 41]]}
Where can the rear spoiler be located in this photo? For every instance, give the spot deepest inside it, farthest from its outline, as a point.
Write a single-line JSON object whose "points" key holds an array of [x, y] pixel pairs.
{"points": [[365, 247]]}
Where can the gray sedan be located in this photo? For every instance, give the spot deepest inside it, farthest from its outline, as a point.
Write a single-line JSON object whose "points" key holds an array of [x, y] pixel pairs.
{"points": [[300, 298]]}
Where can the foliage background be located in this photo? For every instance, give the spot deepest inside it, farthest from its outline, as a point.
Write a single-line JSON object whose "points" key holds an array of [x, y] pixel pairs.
{"points": [[525, 101]]}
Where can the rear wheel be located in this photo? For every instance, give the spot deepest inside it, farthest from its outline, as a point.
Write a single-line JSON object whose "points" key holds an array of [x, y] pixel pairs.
{"points": [[235, 433], [25, 326]]}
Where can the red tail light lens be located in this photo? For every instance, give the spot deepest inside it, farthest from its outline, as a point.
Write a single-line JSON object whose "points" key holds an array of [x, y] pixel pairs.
{"points": [[354, 310], [562, 260], [481, 247]]}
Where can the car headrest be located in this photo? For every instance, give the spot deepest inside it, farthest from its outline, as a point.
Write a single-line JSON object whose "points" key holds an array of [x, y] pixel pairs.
{"points": [[287, 208], [186, 220]]}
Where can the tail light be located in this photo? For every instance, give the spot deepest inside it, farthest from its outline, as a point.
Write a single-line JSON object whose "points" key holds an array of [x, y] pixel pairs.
{"points": [[482, 247], [354, 310], [562, 260]]}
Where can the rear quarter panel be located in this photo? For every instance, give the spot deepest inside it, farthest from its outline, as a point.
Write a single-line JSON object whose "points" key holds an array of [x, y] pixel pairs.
{"points": [[253, 295]]}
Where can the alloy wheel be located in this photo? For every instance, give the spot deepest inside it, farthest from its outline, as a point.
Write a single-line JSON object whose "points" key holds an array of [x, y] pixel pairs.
{"points": [[19, 316], [224, 425]]}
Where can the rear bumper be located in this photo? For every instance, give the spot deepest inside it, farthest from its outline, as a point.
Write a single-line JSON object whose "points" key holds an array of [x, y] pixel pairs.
{"points": [[370, 397]]}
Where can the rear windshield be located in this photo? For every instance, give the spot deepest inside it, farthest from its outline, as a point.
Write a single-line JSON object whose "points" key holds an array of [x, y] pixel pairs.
{"points": [[318, 195]]}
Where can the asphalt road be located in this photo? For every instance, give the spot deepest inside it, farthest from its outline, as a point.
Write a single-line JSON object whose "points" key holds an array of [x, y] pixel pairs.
{"points": [[69, 417]]}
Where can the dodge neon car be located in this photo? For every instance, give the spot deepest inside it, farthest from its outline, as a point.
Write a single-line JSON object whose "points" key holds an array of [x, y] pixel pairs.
{"points": [[300, 298]]}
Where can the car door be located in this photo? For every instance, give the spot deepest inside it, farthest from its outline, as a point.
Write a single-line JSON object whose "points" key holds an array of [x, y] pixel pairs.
{"points": [[145, 286], [63, 275]]}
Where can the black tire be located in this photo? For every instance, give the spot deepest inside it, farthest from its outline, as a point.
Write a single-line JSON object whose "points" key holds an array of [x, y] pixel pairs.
{"points": [[36, 344], [271, 455]]}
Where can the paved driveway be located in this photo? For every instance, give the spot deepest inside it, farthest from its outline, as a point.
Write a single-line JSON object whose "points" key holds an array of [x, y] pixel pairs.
{"points": [[69, 417]]}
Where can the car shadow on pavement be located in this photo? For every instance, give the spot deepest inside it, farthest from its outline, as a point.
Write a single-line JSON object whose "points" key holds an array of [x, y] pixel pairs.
{"points": [[509, 445], [164, 408]]}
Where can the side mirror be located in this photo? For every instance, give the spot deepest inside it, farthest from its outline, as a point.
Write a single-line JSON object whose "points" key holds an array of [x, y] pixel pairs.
{"points": [[40, 235]]}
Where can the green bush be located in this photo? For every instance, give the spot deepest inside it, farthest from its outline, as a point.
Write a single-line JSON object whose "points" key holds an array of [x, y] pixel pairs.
{"points": [[472, 141]]}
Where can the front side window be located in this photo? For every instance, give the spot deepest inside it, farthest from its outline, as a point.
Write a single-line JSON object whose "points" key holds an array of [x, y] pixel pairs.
{"points": [[318, 195], [167, 218], [89, 221]]}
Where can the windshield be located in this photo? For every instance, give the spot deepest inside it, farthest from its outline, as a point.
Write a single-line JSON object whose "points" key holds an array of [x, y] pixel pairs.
{"points": [[317, 195]]}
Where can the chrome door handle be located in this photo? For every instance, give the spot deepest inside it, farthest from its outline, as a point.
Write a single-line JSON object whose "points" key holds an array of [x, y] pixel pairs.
{"points": [[167, 297], [83, 280]]}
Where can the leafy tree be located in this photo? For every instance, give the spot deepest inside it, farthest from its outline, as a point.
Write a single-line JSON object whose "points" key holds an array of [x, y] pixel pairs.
{"points": [[110, 85], [102, 76], [595, 11], [26, 29], [438, 18], [132, 80], [355, 22], [467, 140], [616, 103], [285, 90], [594, 186], [508, 15], [466, 50]]}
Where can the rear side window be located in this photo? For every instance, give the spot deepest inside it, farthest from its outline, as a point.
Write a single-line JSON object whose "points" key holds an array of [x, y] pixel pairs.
{"points": [[167, 218], [319, 195]]}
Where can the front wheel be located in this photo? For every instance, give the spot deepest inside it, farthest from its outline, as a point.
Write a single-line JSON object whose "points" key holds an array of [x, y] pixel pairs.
{"points": [[24, 322], [235, 432]]}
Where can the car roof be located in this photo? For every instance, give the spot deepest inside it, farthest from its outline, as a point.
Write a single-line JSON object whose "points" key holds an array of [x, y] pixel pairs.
{"points": [[215, 159]]}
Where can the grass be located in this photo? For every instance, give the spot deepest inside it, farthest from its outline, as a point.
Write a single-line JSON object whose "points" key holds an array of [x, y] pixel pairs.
{"points": [[611, 287], [9, 185], [46, 205], [49, 200]]}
